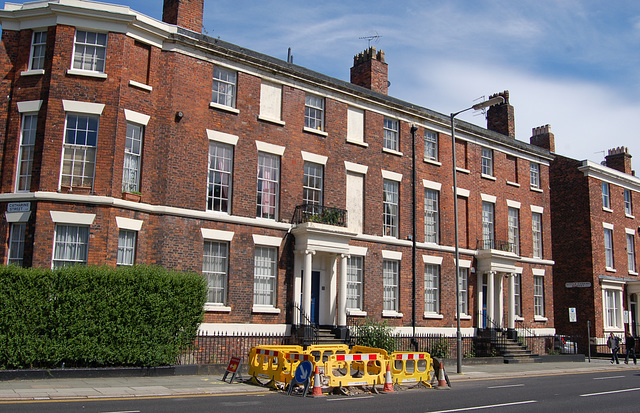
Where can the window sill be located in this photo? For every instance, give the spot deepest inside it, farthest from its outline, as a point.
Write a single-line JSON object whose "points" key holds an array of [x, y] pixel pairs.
{"points": [[534, 189], [629, 216], [86, 73], [489, 177], [223, 107], [605, 209], [271, 120], [359, 143], [540, 318], [463, 170], [433, 316], [633, 273], [217, 308], [392, 152], [609, 269], [356, 313], [432, 162], [391, 314], [519, 318], [513, 184], [140, 85], [32, 72], [464, 317], [315, 131], [264, 309]]}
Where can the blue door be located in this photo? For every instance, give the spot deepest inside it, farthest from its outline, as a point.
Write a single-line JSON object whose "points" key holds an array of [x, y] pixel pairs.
{"points": [[315, 297], [483, 322]]}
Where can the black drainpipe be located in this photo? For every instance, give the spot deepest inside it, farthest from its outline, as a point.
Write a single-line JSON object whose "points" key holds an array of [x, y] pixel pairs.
{"points": [[414, 342]]}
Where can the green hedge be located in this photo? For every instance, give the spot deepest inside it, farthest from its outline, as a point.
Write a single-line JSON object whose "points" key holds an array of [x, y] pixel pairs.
{"points": [[97, 316]]}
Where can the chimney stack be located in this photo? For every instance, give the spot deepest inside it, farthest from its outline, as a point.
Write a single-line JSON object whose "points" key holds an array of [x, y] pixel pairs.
{"points": [[370, 70], [500, 118], [619, 159], [542, 137], [184, 13]]}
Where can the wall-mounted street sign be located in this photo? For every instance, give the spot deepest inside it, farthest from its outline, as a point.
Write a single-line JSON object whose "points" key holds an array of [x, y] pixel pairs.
{"points": [[585, 284], [18, 206], [573, 317]]}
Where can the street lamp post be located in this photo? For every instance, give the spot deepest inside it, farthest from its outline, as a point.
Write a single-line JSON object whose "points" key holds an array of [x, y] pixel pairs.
{"points": [[493, 101]]}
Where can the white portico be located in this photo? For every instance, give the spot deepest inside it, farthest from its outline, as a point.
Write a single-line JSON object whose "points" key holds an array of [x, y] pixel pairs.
{"points": [[320, 268], [494, 266]]}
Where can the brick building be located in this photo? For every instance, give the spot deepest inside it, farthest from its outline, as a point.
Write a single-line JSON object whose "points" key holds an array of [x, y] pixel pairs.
{"points": [[594, 229], [131, 140]]}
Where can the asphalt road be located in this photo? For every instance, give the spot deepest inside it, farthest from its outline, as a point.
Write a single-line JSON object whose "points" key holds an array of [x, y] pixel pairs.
{"points": [[585, 392]]}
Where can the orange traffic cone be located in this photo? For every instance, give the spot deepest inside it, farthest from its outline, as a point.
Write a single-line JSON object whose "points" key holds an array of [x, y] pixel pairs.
{"points": [[388, 383], [317, 388], [442, 382]]}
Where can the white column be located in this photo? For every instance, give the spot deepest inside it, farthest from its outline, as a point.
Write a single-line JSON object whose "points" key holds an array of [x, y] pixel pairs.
{"points": [[331, 301], [297, 285], [342, 292], [500, 300], [306, 293], [511, 322], [491, 297], [479, 300]]}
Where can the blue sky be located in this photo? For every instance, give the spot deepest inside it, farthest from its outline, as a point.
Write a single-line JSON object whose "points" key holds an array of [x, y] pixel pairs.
{"points": [[573, 64]]}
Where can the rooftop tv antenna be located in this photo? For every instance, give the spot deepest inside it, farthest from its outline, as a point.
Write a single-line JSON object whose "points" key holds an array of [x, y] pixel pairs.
{"points": [[482, 111], [375, 38]]}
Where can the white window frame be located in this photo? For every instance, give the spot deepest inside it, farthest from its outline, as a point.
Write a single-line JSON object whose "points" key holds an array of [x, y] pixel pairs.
{"points": [[606, 198], [631, 252], [355, 267], [608, 248], [268, 188], [391, 134], [431, 289], [431, 215], [17, 237], [517, 294], [628, 202], [488, 227], [431, 145], [224, 88], [215, 267], [265, 275], [219, 177], [28, 130], [87, 165], [391, 286], [486, 156], [314, 112], [536, 231], [538, 295], [127, 240], [38, 50], [70, 245], [88, 53], [313, 183], [391, 199], [612, 305], [534, 174], [132, 163], [514, 230], [271, 103], [463, 290]]}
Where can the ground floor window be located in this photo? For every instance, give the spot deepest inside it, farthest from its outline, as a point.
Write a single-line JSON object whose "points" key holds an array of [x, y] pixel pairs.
{"points": [[538, 295], [71, 245], [390, 281], [463, 291], [265, 270], [16, 243], [126, 247], [354, 282], [432, 289], [612, 308], [215, 267]]}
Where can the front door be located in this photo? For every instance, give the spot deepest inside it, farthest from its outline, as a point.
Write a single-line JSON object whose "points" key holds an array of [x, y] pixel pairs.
{"points": [[315, 297], [483, 322]]}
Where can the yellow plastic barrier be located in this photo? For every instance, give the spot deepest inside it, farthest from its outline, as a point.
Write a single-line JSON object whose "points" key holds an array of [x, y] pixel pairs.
{"points": [[355, 374], [372, 367], [292, 361], [411, 367], [321, 353], [266, 364]]}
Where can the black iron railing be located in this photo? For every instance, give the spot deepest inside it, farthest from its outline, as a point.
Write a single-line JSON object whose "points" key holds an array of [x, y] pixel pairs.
{"points": [[490, 244], [305, 330], [320, 214]]}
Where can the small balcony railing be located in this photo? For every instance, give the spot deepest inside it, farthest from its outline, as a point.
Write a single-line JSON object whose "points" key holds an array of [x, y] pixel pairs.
{"points": [[500, 245], [320, 214]]}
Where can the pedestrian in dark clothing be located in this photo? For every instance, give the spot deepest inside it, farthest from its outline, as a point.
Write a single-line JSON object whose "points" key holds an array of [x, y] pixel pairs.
{"points": [[614, 344], [630, 344]]}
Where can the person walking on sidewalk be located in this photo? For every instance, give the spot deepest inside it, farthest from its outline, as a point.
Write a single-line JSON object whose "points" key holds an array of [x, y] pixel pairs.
{"points": [[614, 344], [630, 344]]}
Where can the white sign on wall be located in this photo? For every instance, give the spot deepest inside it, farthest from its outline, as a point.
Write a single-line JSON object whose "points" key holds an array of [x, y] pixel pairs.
{"points": [[573, 317], [18, 206]]}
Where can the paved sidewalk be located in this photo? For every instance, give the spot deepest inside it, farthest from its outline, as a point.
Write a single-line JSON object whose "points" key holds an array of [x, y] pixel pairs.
{"points": [[126, 387]]}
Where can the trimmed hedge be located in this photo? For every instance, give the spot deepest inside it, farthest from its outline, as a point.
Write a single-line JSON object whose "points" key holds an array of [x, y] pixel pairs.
{"points": [[86, 316]]}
